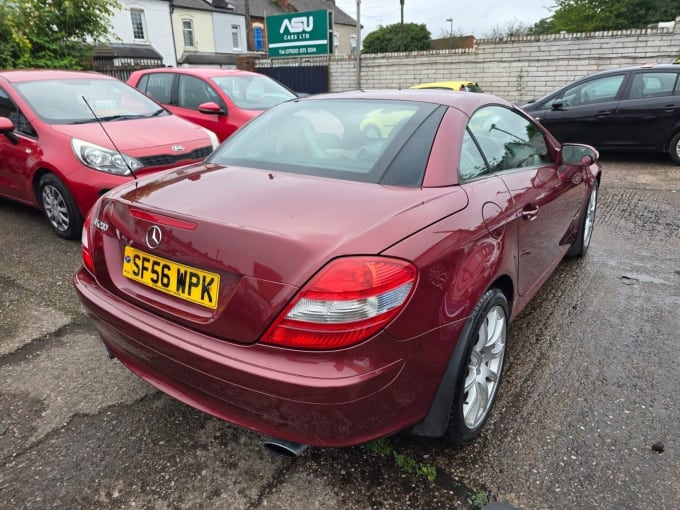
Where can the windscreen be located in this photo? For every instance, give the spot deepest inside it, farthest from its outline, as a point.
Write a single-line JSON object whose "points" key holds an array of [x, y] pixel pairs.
{"points": [[65, 101], [354, 139], [253, 92]]}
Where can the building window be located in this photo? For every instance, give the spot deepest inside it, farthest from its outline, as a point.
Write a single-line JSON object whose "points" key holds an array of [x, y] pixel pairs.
{"points": [[188, 32], [137, 18], [259, 38], [236, 37]]}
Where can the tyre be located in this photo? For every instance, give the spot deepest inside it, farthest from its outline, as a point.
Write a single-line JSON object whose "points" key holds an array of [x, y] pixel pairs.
{"points": [[481, 367], [585, 231], [59, 208], [674, 149]]}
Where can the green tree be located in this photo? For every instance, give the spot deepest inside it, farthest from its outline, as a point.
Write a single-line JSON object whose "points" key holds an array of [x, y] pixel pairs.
{"points": [[386, 39], [52, 33], [594, 15]]}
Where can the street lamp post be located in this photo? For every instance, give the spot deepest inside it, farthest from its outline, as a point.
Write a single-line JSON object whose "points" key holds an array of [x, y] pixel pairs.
{"points": [[450, 20], [401, 30]]}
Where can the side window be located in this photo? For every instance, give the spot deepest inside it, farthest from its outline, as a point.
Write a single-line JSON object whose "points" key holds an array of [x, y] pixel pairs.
{"points": [[192, 92], [599, 90], [472, 162], [9, 109], [652, 85], [158, 86], [236, 37], [138, 24], [507, 139], [188, 33]]}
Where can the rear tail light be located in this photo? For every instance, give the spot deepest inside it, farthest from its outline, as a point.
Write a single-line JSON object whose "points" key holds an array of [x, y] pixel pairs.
{"points": [[349, 300], [85, 246]]}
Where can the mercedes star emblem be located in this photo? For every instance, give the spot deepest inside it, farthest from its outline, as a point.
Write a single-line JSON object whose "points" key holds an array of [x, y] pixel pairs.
{"points": [[154, 237]]}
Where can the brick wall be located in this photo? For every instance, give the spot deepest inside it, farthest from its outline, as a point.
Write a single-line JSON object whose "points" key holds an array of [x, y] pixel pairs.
{"points": [[518, 68]]}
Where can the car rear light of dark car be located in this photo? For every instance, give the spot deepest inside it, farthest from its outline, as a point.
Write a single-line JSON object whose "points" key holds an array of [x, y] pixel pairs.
{"points": [[349, 300]]}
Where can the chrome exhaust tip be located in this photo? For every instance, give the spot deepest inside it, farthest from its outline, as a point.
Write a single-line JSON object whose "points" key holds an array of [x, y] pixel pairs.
{"points": [[285, 448]]}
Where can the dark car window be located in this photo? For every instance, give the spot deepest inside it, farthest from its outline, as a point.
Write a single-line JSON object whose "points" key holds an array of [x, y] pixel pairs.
{"points": [[598, 90], [507, 139], [12, 112], [472, 162], [193, 92], [158, 86], [652, 85], [329, 138]]}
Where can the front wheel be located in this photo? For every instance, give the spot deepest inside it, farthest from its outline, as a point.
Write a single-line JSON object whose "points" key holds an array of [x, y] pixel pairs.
{"points": [[477, 381], [585, 231], [674, 148], [59, 207]]}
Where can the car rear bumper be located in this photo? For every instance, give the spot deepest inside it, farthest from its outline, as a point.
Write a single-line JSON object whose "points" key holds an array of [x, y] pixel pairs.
{"points": [[335, 398]]}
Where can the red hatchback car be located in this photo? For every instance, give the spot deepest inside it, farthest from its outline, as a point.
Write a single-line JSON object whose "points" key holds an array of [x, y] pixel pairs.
{"points": [[327, 288], [68, 137], [221, 100]]}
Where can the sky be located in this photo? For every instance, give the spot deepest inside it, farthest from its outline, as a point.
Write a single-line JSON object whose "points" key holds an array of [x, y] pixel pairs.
{"points": [[470, 17]]}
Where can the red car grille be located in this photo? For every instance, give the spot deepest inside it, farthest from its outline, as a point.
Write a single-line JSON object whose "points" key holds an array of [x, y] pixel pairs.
{"points": [[169, 159]]}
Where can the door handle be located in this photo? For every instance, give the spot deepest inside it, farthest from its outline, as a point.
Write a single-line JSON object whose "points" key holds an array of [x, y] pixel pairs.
{"points": [[603, 113], [530, 212]]}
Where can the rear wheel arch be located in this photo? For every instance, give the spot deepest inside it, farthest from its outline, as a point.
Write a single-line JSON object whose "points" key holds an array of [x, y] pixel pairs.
{"points": [[436, 423]]}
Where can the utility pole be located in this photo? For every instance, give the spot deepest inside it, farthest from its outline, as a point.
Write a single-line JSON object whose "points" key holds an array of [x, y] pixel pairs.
{"points": [[358, 49], [401, 31], [450, 20], [250, 46]]}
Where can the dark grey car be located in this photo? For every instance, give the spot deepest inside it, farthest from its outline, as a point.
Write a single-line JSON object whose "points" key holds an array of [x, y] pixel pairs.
{"points": [[632, 108]]}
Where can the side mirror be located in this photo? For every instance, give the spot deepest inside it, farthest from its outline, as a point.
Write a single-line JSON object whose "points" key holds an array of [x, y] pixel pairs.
{"points": [[557, 104], [212, 108], [578, 154], [7, 129]]}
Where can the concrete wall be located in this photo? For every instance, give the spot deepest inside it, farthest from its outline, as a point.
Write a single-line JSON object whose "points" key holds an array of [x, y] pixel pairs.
{"points": [[517, 69]]}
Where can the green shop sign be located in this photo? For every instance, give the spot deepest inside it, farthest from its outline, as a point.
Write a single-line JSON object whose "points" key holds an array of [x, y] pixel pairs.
{"points": [[299, 34]]}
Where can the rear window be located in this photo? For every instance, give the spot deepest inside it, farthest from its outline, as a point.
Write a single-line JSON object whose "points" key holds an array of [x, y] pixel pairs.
{"points": [[360, 140], [253, 92]]}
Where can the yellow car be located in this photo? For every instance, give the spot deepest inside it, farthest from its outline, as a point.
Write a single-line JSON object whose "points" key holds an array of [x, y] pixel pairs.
{"points": [[378, 124], [465, 86]]}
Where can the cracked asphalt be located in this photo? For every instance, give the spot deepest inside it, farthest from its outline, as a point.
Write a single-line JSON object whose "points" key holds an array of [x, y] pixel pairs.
{"points": [[588, 413]]}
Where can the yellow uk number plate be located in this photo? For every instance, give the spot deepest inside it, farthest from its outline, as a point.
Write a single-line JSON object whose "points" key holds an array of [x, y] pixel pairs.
{"points": [[184, 282]]}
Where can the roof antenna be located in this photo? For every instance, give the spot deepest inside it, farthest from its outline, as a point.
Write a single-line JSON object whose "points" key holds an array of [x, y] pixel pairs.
{"points": [[101, 124]]}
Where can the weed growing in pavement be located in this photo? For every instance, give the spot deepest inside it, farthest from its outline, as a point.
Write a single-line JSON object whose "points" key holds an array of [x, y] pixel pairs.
{"points": [[405, 462], [477, 499]]}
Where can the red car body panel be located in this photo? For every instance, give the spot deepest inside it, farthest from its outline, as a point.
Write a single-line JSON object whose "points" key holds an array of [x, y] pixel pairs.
{"points": [[266, 233]]}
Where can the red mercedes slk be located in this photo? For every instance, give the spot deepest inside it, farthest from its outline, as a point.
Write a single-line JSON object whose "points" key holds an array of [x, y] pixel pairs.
{"points": [[326, 288]]}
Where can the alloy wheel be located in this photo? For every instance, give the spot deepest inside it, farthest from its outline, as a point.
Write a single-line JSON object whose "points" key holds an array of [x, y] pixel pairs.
{"points": [[590, 216], [484, 367], [55, 208]]}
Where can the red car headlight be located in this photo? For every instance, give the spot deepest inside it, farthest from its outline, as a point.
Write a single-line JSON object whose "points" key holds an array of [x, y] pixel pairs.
{"points": [[349, 300]]}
